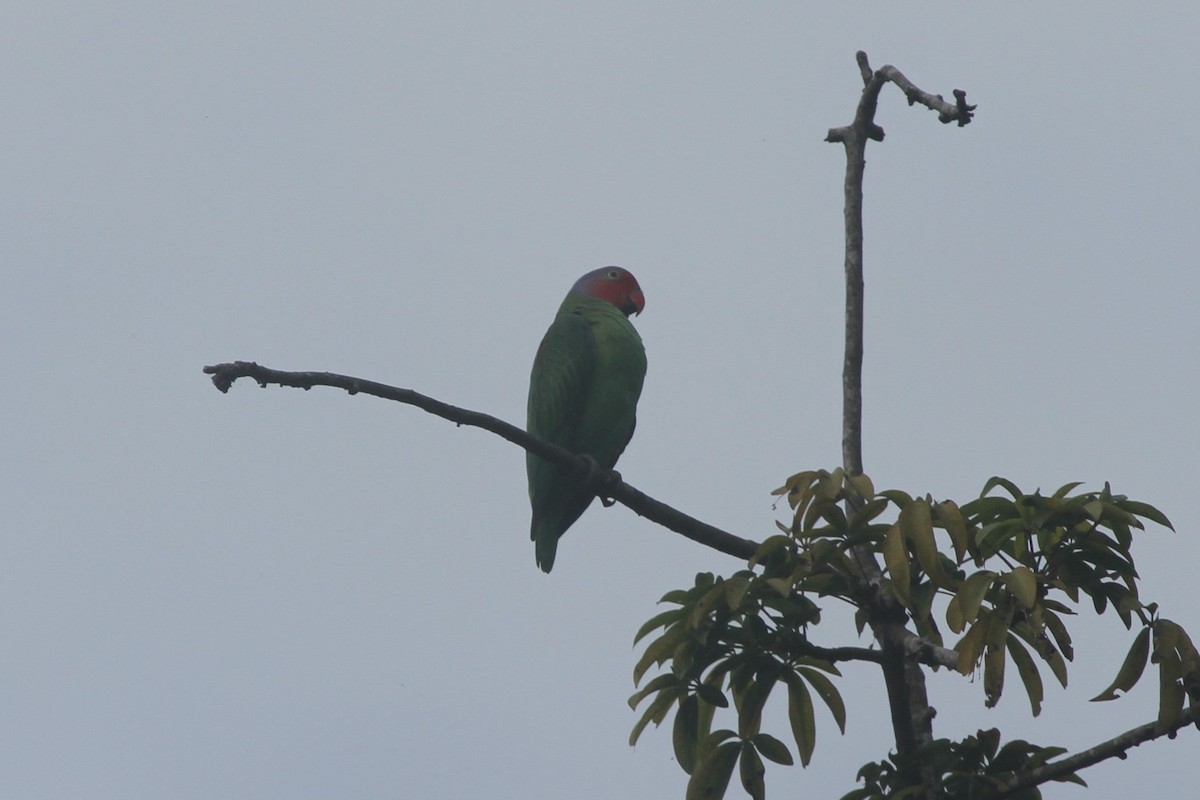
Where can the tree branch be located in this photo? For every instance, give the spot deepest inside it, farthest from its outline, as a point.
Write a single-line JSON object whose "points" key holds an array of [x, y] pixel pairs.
{"points": [[855, 137], [864, 122], [919, 649], [836, 654], [910, 711], [607, 484], [1114, 747]]}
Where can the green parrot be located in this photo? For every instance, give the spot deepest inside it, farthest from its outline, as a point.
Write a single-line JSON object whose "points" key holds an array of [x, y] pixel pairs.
{"points": [[583, 392]]}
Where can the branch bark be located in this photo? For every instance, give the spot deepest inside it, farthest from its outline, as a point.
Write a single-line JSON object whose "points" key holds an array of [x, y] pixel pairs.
{"points": [[1114, 747], [855, 137], [905, 680], [607, 483], [903, 651]]}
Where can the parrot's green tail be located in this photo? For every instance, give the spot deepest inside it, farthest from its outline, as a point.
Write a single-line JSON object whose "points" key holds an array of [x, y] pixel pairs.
{"points": [[545, 545]]}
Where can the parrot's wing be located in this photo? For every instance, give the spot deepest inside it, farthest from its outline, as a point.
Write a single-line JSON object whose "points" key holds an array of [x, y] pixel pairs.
{"points": [[559, 387], [560, 381]]}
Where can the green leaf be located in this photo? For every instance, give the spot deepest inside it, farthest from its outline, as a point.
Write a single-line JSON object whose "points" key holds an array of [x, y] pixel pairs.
{"points": [[989, 742], [1022, 584], [1058, 667], [780, 585], [1042, 755], [1012, 756], [1169, 636], [971, 645], [818, 663], [712, 695], [735, 590], [770, 546], [865, 515], [916, 522], [1006, 484], [801, 480], [751, 770], [830, 486], [1131, 668], [658, 620], [800, 716], [1045, 648], [830, 512], [990, 509], [1094, 509], [827, 692], [899, 498], [860, 620], [861, 486], [921, 597], [685, 733], [658, 684], [773, 749], [895, 555], [1028, 671], [993, 537], [752, 702], [971, 593], [998, 626], [706, 604], [993, 675], [707, 709], [1170, 691], [658, 651], [676, 596], [711, 776], [1066, 489], [656, 713], [1146, 511], [954, 615], [1058, 630], [948, 515], [683, 657]]}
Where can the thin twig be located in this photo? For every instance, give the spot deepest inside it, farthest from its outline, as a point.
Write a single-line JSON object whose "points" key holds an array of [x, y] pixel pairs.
{"points": [[607, 485]]}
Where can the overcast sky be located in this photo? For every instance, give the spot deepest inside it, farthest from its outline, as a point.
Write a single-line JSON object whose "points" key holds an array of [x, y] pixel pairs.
{"points": [[285, 594]]}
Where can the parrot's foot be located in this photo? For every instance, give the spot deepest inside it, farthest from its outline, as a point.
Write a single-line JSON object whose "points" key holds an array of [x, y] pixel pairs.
{"points": [[612, 481], [602, 481]]}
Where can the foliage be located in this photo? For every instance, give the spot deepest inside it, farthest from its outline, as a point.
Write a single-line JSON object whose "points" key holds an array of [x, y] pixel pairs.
{"points": [[966, 769], [1001, 574]]}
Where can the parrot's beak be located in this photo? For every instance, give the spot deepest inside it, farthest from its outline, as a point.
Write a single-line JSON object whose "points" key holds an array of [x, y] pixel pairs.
{"points": [[637, 301]]}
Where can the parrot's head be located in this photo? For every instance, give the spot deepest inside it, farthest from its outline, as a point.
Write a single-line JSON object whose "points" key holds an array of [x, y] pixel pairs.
{"points": [[615, 285]]}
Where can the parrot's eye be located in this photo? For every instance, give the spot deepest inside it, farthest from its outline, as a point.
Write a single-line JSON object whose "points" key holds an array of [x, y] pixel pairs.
{"points": [[613, 274]]}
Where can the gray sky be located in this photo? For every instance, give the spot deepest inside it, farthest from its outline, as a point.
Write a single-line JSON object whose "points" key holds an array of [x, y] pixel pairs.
{"points": [[281, 594]]}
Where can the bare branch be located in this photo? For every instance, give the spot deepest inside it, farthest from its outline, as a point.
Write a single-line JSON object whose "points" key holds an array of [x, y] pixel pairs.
{"points": [[864, 126], [920, 649], [836, 654], [855, 137], [607, 484], [903, 651], [1114, 747], [958, 111]]}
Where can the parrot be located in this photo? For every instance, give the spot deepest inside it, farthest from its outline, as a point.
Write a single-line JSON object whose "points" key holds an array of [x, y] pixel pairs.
{"points": [[583, 393]]}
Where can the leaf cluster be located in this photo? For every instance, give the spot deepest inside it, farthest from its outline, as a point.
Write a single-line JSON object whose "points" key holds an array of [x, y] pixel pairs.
{"points": [[735, 638], [967, 769], [1000, 575]]}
